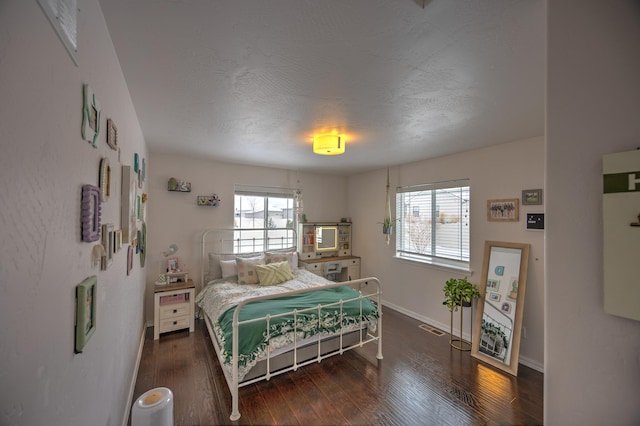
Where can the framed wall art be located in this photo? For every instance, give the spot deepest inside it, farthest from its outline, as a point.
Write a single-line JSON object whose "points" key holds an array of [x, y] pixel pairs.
{"points": [[117, 240], [129, 260], [86, 298], [105, 179], [90, 213], [90, 116], [531, 197], [108, 243], [503, 210], [128, 205], [112, 134]]}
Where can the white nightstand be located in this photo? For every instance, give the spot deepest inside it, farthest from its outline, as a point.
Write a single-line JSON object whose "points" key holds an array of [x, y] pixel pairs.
{"points": [[174, 307]]}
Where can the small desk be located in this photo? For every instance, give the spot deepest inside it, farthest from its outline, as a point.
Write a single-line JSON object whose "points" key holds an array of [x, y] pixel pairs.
{"points": [[350, 267], [174, 307]]}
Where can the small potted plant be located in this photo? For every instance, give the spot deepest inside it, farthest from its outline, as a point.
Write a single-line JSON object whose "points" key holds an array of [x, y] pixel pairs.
{"points": [[459, 292], [387, 226]]}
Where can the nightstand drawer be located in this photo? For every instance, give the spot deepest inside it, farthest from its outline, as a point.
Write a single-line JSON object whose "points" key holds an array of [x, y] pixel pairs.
{"points": [[174, 323], [174, 310]]}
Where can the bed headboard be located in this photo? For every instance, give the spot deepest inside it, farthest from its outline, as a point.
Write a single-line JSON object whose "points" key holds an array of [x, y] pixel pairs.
{"points": [[243, 241]]}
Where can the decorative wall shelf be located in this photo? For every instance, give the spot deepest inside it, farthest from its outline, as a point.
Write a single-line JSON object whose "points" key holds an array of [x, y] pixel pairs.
{"points": [[178, 185], [208, 200]]}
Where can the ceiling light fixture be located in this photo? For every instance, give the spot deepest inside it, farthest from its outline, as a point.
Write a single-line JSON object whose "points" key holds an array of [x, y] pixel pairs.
{"points": [[329, 144]]}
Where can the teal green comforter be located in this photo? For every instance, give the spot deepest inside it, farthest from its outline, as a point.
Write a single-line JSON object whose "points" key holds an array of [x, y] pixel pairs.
{"points": [[254, 338]]}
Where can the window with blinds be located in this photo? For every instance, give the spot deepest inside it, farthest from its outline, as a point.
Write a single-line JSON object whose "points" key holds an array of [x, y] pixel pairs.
{"points": [[63, 16], [433, 225], [258, 211]]}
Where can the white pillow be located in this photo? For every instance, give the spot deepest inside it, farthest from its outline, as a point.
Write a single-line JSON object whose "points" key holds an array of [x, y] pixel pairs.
{"points": [[229, 268], [215, 271], [290, 256]]}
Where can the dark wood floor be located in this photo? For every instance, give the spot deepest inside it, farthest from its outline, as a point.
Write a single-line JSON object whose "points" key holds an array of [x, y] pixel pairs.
{"points": [[420, 381]]}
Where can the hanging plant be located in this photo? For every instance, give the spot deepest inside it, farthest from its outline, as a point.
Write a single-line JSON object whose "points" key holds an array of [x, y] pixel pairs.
{"points": [[387, 226], [388, 222]]}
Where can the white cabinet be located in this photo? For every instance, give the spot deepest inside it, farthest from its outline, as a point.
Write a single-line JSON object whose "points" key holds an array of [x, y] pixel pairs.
{"points": [[174, 307]]}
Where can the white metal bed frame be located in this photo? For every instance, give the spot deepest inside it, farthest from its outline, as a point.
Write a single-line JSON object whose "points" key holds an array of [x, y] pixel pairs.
{"points": [[487, 342], [233, 382]]}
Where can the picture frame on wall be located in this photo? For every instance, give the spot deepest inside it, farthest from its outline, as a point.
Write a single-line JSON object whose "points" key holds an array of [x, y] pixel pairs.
{"points": [[129, 259], [105, 179], [108, 243], [128, 205], [117, 240], [531, 197], [503, 210], [90, 116], [112, 134], [86, 298], [91, 211]]}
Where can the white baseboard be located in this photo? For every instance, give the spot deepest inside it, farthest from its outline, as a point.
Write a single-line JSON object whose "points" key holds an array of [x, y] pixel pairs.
{"points": [[132, 386], [467, 336]]}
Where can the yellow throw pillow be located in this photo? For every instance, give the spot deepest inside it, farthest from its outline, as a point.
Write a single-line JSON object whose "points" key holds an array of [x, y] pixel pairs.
{"points": [[274, 273]]}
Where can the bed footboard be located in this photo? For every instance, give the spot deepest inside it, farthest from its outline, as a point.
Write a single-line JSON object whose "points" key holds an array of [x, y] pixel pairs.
{"points": [[346, 338]]}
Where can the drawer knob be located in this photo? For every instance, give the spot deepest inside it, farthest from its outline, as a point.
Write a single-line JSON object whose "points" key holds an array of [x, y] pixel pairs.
{"points": [[175, 322], [175, 311]]}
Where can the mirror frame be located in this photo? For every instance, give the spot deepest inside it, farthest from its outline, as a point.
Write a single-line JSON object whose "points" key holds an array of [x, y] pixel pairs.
{"points": [[512, 366]]}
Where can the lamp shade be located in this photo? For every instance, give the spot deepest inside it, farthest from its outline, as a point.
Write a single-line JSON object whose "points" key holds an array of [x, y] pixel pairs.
{"points": [[330, 144]]}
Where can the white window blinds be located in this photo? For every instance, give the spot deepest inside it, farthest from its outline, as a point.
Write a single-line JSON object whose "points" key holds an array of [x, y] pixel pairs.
{"points": [[63, 16], [433, 224]]}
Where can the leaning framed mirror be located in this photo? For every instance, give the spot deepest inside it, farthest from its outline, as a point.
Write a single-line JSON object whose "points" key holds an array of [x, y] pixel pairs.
{"points": [[498, 322]]}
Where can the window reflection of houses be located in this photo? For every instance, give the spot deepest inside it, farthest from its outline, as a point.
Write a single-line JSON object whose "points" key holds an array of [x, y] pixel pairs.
{"points": [[274, 213]]}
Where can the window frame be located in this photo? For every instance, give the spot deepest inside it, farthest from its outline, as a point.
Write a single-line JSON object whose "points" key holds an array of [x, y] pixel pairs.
{"points": [[264, 240], [462, 260]]}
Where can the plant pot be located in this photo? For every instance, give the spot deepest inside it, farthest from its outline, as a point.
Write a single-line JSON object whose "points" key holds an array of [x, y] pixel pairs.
{"points": [[387, 229]]}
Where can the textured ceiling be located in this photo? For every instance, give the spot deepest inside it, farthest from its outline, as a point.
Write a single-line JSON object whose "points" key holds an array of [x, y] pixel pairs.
{"points": [[251, 81]]}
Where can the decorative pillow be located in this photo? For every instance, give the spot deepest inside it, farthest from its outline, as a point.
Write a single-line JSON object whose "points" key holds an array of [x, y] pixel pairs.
{"points": [[247, 269], [215, 271], [282, 256], [229, 268], [274, 273]]}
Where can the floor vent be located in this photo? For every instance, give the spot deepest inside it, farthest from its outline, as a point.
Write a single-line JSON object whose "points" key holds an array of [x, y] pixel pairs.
{"points": [[431, 329]]}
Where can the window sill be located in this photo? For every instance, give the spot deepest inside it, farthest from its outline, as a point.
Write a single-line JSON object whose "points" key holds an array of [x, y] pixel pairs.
{"points": [[437, 265]]}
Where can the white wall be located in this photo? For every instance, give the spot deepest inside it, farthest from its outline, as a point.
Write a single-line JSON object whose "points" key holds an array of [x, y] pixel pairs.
{"points": [[43, 164], [174, 217], [593, 92], [501, 171]]}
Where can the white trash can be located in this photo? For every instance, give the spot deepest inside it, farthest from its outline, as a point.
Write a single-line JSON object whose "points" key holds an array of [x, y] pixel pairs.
{"points": [[153, 408]]}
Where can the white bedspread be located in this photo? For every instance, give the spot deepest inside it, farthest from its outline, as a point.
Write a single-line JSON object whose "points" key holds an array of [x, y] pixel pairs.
{"points": [[220, 295]]}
